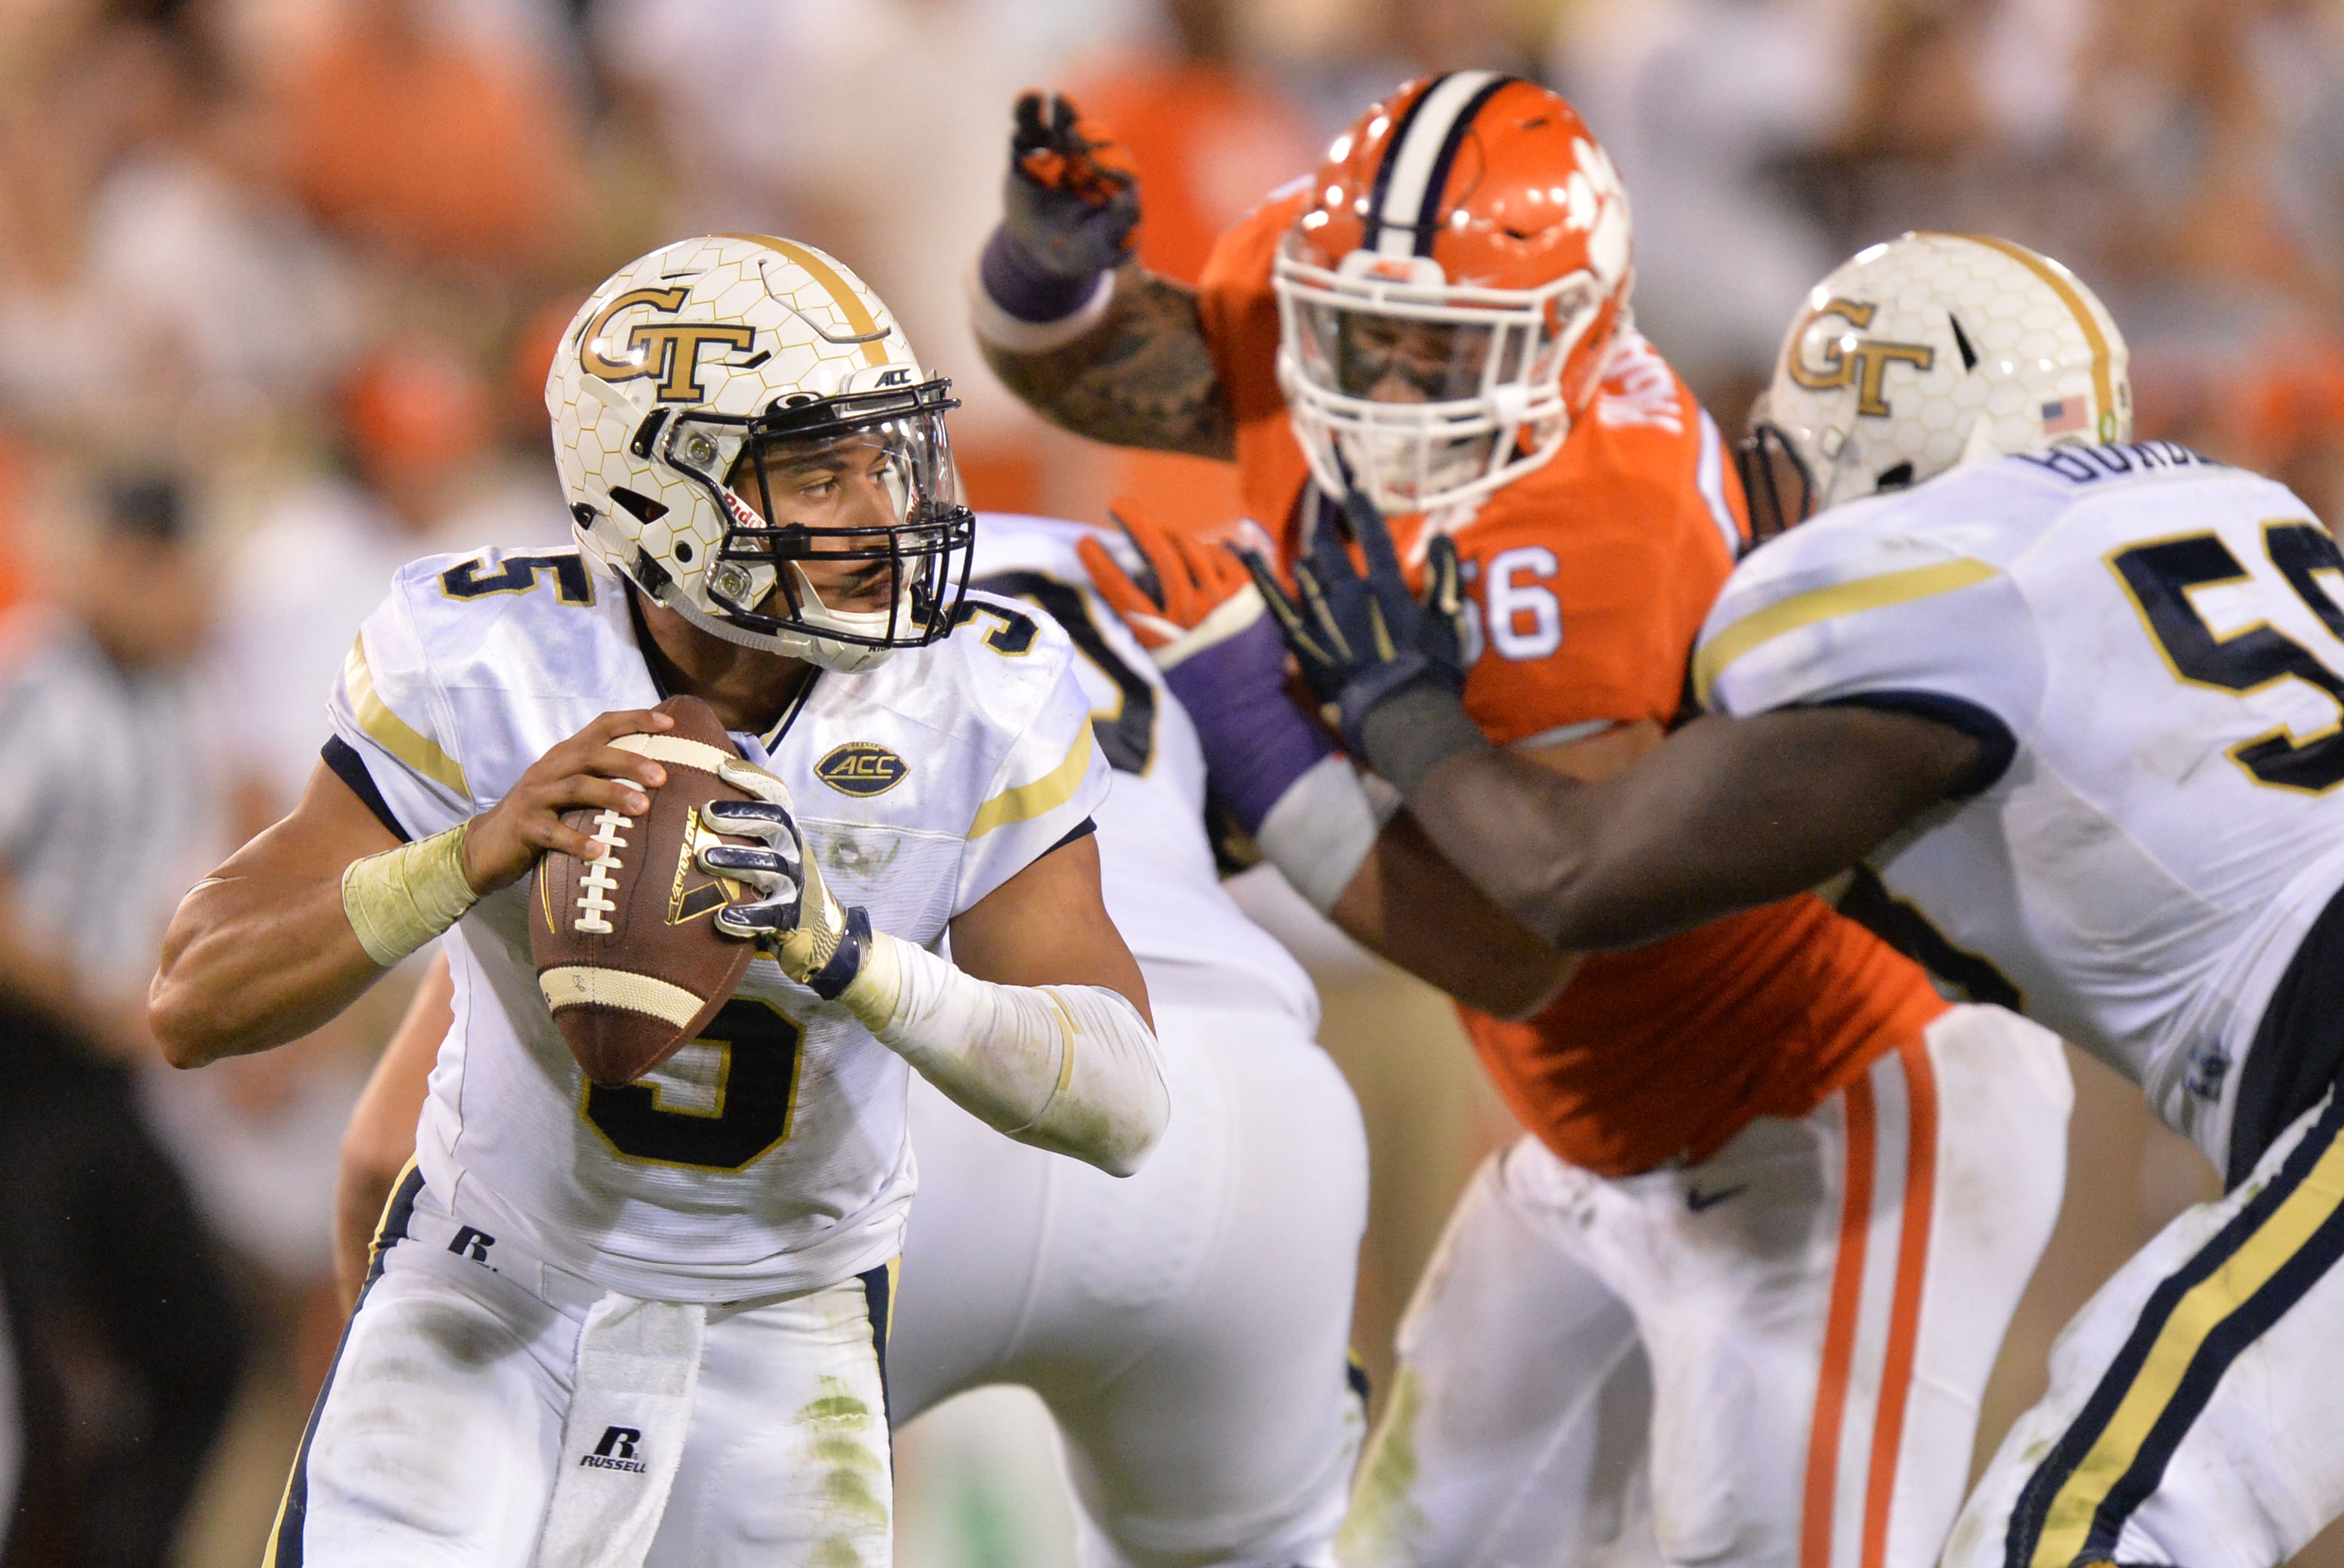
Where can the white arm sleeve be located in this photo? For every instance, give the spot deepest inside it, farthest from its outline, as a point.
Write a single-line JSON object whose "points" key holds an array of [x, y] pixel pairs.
{"points": [[1069, 1069]]}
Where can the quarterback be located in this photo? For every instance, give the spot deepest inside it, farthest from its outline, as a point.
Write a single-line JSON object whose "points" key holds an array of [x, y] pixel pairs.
{"points": [[1188, 1334], [1777, 1198], [2074, 701], [612, 1326]]}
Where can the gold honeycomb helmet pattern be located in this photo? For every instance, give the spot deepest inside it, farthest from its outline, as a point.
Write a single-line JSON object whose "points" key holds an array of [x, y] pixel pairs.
{"points": [[1937, 349], [721, 325]]}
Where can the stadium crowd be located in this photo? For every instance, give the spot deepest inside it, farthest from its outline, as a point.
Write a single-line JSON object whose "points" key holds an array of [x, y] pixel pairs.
{"points": [[278, 283]]}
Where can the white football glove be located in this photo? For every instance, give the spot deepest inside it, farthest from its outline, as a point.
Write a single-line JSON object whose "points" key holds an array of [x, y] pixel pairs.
{"points": [[794, 916]]}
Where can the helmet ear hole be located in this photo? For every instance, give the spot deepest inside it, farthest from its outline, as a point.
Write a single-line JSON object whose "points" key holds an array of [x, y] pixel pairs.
{"points": [[644, 509]]}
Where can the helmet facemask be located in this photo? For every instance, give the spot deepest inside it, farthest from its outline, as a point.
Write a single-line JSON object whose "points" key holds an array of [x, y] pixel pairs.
{"points": [[1419, 393], [1780, 486], [846, 535]]}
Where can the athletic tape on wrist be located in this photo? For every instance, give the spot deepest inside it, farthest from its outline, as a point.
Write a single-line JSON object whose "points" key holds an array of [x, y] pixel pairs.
{"points": [[1322, 829], [999, 329], [398, 900]]}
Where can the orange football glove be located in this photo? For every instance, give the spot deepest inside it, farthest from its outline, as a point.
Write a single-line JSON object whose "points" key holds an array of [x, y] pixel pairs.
{"points": [[1192, 595]]}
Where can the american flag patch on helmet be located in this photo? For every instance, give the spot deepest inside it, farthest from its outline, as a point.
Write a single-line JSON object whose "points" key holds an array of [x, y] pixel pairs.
{"points": [[2062, 416]]}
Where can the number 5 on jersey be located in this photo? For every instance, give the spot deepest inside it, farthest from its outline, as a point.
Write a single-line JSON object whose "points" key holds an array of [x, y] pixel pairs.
{"points": [[2161, 576]]}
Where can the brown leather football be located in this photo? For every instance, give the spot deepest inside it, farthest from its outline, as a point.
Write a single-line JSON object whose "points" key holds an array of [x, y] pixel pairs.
{"points": [[627, 950]]}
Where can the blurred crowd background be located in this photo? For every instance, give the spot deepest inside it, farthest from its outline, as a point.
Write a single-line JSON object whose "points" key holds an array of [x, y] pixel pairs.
{"points": [[278, 283]]}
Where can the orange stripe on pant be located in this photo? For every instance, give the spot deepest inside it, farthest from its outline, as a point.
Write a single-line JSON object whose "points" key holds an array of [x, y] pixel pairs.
{"points": [[1866, 1187], [1905, 1317], [1839, 1332]]}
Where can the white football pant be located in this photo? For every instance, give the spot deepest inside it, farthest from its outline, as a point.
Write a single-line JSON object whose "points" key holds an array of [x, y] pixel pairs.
{"points": [[439, 1438], [1772, 1359], [1189, 1326], [2194, 1415]]}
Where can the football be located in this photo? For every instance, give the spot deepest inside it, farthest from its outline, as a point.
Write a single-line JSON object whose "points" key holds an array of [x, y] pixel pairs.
{"points": [[626, 945]]}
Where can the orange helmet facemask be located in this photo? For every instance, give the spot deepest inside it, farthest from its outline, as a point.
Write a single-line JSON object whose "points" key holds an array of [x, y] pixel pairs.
{"points": [[1448, 301]]}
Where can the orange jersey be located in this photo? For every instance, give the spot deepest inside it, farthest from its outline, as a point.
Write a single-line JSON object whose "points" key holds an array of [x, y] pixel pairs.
{"points": [[1590, 576]]}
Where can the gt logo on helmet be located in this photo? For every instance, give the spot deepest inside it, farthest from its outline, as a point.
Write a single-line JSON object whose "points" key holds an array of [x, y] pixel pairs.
{"points": [[668, 350], [1859, 362]]}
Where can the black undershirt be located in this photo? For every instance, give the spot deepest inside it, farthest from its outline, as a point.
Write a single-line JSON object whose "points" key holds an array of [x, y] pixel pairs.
{"points": [[2299, 1050]]}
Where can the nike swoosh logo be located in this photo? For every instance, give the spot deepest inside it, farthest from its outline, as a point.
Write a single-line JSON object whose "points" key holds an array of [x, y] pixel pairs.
{"points": [[1697, 1200]]}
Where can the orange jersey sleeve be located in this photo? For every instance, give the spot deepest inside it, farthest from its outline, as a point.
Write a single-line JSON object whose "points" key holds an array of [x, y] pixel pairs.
{"points": [[1590, 578]]}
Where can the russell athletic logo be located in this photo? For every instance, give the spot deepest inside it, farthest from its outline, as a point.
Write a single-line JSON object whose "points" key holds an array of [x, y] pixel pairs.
{"points": [[862, 768], [616, 1450]]}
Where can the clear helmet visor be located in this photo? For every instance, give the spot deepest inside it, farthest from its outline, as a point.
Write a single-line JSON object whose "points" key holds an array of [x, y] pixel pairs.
{"points": [[1389, 359], [846, 520], [1422, 393]]}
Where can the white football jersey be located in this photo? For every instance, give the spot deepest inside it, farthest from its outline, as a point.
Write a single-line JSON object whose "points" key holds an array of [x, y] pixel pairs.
{"points": [[2156, 643], [1156, 864], [771, 1154]]}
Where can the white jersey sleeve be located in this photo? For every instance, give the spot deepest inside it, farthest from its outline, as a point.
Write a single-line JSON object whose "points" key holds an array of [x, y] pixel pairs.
{"points": [[1053, 780], [2153, 643], [389, 708], [1836, 611]]}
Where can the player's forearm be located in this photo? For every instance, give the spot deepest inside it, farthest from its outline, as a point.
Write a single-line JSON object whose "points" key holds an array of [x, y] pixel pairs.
{"points": [[1410, 906], [1069, 1069], [1729, 814], [276, 944], [251, 962], [1137, 372], [360, 1190]]}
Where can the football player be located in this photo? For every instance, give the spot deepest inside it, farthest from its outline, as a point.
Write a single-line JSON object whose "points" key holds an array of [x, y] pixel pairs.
{"points": [[1190, 1336], [1777, 1200], [2078, 707], [606, 1323]]}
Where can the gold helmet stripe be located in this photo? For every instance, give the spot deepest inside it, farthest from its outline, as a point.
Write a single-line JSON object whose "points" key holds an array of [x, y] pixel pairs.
{"points": [[842, 293], [2103, 379]]}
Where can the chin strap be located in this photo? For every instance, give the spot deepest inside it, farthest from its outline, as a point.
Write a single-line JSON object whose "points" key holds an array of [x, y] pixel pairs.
{"points": [[841, 658]]}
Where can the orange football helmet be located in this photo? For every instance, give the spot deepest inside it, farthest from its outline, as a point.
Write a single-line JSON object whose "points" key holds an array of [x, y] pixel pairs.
{"points": [[1447, 302]]}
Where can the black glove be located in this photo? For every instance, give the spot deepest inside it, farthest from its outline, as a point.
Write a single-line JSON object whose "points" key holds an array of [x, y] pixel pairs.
{"points": [[1071, 198], [1363, 641]]}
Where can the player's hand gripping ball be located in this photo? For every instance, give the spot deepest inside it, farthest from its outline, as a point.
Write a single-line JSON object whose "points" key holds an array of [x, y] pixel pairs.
{"points": [[627, 949], [792, 915]]}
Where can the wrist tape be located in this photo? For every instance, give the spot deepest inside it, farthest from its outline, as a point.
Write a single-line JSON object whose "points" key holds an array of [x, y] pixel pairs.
{"points": [[398, 900], [1322, 829], [1001, 325]]}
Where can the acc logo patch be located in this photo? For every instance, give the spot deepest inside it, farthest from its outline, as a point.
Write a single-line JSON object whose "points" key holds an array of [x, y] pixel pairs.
{"points": [[862, 768]]}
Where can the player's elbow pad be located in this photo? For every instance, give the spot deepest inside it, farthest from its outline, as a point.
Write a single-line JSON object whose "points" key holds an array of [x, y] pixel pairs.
{"points": [[1069, 1069]]}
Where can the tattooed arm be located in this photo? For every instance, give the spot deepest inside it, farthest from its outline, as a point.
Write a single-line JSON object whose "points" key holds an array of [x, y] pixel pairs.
{"points": [[1142, 376]]}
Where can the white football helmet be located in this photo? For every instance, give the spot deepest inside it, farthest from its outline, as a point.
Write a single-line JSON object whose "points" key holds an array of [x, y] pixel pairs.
{"points": [[718, 379], [1930, 351]]}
